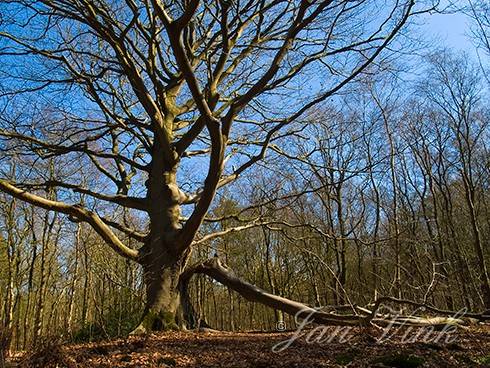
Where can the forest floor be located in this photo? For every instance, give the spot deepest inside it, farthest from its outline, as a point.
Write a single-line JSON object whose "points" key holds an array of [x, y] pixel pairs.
{"points": [[347, 347]]}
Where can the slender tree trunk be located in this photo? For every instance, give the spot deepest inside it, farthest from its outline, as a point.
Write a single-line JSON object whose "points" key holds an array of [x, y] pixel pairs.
{"points": [[374, 250], [477, 242], [6, 330], [394, 182], [74, 283], [342, 277], [442, 248], [279, 317]]}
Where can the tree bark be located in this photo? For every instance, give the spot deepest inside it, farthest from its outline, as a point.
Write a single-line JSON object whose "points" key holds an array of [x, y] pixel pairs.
{"points": [[164, 254], [161, 276]]}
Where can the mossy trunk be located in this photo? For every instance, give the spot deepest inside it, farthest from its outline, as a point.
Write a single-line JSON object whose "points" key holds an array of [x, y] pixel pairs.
{"points": [[163, 256], [163, 303]]}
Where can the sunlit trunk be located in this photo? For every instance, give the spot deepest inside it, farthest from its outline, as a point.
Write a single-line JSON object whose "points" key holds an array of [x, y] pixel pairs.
{"points": [[161, 276]]}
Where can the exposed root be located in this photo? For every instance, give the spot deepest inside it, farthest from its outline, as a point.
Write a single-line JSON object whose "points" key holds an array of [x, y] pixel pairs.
{"points": [[156, 321]]}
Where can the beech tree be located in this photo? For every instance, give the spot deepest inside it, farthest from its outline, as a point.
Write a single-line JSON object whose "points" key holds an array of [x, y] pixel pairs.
{"points": [[168, 102]]}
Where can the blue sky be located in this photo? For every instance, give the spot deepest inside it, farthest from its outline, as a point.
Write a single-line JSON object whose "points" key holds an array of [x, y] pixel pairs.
{"points": [[451, 30]]}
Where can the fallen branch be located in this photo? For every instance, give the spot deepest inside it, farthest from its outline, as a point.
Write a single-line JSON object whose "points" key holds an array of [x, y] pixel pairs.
{"points": [[224, 275], [218, 271], [485, 316]]}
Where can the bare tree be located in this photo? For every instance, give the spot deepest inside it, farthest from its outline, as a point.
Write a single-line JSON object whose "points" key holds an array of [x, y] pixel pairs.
{"points": [[479, 12], [455, 91], [133, 89]]}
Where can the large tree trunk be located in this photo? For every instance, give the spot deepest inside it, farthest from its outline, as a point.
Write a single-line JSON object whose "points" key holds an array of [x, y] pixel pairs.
{"points": [[161, 276], [163, 257]]}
